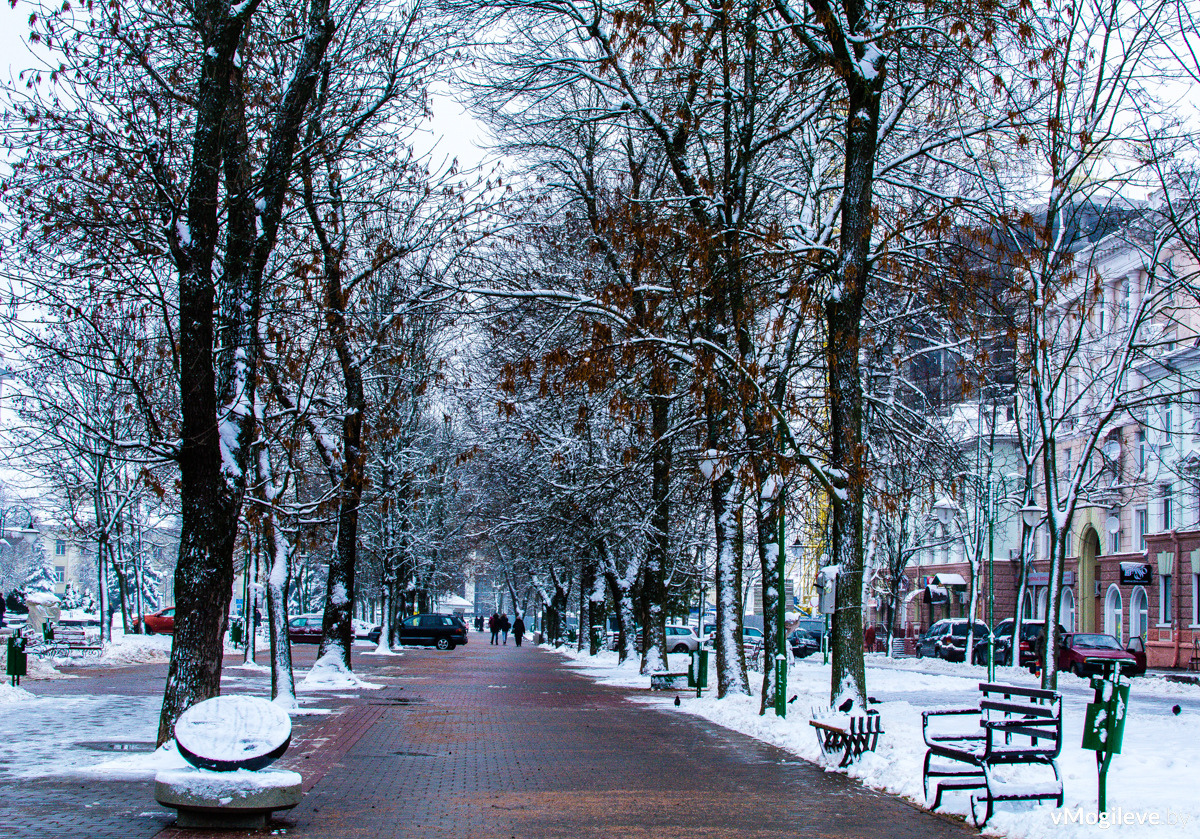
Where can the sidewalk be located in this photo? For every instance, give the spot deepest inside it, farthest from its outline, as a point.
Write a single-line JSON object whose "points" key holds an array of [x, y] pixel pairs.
{"points": [[498, 741]]}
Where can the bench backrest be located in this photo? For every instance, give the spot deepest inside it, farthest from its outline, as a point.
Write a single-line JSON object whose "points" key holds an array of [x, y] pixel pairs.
{"points": [[1028, 712]]}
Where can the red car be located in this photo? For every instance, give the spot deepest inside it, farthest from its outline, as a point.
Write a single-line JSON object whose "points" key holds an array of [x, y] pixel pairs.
{"points": [[1086, 654], [161, 622]]}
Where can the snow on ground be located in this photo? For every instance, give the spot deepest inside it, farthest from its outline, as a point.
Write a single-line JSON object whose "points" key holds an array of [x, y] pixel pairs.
{"points": [[138, 766], [8, 693], [1152, 780], [329, 673], [61, 735]]}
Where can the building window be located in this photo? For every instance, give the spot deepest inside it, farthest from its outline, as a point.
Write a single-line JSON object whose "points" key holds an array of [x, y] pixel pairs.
{"points": [[1112, 613], [1142, 519], [1168, 424], [1141, 443], [1196, 600], [60, 574], [1164, 599], [1168, 508], [1066, 609], [1114, 542], [60, 547], [1139, 613]]}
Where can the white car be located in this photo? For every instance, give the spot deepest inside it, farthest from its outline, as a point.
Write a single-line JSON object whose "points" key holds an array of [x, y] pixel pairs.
{"points": [[365, 629]]}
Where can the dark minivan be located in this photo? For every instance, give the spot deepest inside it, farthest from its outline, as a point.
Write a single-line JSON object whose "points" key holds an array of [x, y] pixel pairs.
{"points": [[442, 631]]}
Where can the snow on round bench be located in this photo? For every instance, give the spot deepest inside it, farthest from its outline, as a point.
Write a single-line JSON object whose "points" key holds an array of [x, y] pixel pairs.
{"points": [[230, 740]]}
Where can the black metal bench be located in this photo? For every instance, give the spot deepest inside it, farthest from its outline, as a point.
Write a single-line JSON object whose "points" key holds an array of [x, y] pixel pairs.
{"points": [[852, 735], [60, 643], [1016, 726]]}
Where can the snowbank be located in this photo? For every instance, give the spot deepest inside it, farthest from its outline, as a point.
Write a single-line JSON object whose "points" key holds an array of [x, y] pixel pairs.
{"points": [[134, 649], [329, 673], [1151, 785], [8, 693]]}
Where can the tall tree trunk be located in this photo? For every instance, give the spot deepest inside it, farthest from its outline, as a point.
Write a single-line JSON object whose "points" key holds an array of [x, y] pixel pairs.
{"points": [[731, 657], [654, 634], [769, 521], [216, 428]]}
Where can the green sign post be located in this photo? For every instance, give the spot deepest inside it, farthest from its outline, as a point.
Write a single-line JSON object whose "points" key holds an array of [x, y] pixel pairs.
{"points": [[1104, 724]]}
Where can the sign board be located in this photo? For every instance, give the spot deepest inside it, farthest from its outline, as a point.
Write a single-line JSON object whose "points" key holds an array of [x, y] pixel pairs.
{"points": [[1042, 578], [1104, 721], [227, 733], [1135, 573]]}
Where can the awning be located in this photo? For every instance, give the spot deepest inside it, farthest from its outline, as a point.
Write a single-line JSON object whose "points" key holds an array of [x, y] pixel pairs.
{"points": [[935, 594], [949, 579], [908, 598]]}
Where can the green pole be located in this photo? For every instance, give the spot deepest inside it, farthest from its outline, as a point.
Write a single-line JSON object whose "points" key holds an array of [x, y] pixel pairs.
{"points": [[825, 642], [991, 613], [781, 619]]}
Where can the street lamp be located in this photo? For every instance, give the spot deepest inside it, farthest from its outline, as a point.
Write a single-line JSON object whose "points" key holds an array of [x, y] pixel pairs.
{"points": [[1032, 514]]}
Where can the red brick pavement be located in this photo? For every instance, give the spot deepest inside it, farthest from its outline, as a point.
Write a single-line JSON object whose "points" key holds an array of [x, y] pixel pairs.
{"points": [[492, 741], [497, 742]]}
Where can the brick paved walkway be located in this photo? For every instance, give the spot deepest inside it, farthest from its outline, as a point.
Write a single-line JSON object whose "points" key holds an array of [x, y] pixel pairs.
{"points": [[504, 742], [499, 742]]}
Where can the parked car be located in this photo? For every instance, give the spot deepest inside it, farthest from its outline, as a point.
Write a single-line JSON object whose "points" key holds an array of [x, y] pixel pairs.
{"points": [[305, 629], [1032, 633], [161, 622], [814, 625], [1137, 649], [804, 642], [947, 639], [442, 631], [367, 630], [682, 639], [1087, 654], [752, 636]]}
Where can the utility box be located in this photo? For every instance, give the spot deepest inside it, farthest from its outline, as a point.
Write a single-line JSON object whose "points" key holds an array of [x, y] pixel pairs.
{"points": [[826, 586]]}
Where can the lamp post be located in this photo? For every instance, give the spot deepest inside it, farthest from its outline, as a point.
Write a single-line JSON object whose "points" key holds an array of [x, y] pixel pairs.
{"points": [[947, 512]]}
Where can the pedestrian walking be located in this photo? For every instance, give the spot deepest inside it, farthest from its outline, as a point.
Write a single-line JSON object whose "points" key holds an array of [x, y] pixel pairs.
{"points": [[505, 625], [1, 608], [518, 628], [494, 627]]}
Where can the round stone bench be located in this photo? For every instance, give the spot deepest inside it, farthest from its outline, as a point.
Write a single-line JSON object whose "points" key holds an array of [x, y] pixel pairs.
{"points": [[243, 799], [230, 740]]}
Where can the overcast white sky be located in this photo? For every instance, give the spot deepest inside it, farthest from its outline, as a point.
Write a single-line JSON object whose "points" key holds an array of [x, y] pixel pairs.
{"points": [[455, 133]]}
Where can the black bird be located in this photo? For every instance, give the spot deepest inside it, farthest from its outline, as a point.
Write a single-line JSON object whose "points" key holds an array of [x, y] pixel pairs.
{"points": [[1176, 710], [846, 706], [793, 699], [676, 701]]}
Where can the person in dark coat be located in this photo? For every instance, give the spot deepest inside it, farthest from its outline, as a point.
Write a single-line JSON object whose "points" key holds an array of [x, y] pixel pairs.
{"points": [[494, 627], [505, 625], [518, 628], [1, 608]]}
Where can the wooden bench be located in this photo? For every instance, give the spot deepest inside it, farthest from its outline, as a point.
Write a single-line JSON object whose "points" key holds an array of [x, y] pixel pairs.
{"points": [[852, 735], [1016, 726]]}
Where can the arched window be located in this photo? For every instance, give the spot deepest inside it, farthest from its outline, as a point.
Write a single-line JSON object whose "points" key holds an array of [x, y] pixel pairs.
{"points": [[1041, 603], [1066, 609], [1139, 613], [1027, 606], [1112, 613]]}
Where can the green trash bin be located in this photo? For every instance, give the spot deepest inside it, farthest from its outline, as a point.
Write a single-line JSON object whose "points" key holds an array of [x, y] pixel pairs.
{"points": [[18, 659]]}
